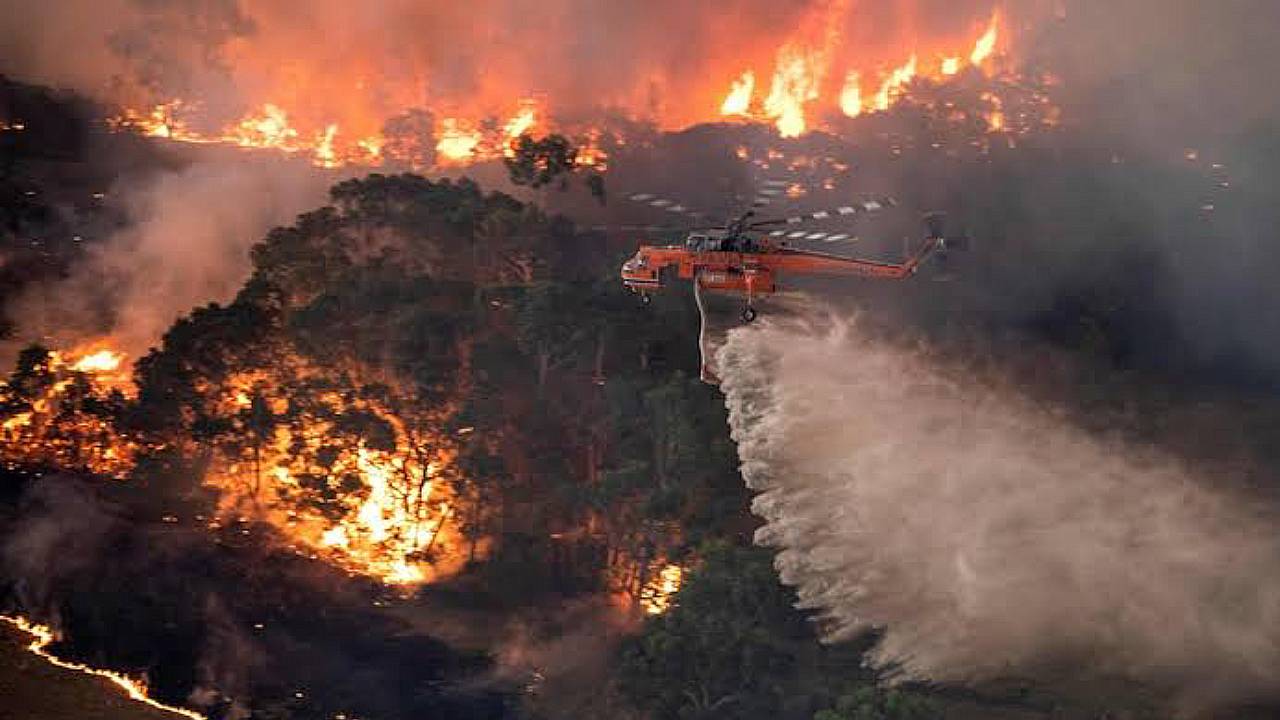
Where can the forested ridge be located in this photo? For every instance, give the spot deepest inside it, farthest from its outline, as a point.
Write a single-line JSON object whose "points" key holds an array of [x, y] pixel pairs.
{"points": [[544, 440], [584, 456]]}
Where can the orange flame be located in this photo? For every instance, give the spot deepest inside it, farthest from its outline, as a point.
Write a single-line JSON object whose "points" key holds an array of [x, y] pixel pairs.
{"points": [[801, 68], [457, 142], [738, 101], [349, 128], [657, 596], [100, 361], [851, 95], [986, 45], [269, 129], [57, 425], [383, 512], [796, 82], [43, 636], [894, 84]]}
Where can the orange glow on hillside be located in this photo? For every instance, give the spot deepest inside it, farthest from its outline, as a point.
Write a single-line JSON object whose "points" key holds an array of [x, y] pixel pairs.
{"points": [[134, 688]]}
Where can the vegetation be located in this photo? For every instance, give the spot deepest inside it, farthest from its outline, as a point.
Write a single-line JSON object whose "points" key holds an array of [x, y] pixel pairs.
{"points": [[452, 328], [734, 646], [486, 347]]}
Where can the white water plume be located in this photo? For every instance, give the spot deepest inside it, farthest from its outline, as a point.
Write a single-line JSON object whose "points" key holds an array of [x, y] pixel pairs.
{"points": [[984, 534]]}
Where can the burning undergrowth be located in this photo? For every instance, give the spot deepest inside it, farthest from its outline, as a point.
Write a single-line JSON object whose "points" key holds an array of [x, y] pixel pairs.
{"points": [[424, 385], [395, 399], [219, 621]]}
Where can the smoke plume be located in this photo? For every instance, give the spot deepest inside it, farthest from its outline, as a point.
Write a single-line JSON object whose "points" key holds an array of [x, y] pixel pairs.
{"points": [[186, 244], [985, 535]]}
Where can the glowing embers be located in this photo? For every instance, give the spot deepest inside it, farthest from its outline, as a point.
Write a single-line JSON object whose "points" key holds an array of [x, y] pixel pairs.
{"points": [[136, 688], [59, 409], [350, 470], [268, 128], [995, 116], [657, 595], [99, 361], [456, 140]]}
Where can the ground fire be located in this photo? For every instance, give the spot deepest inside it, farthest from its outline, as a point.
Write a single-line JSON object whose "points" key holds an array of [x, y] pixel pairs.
{"points": [[345, 466], [136, 689], [289, 453], [323, 398], [60, 408]]}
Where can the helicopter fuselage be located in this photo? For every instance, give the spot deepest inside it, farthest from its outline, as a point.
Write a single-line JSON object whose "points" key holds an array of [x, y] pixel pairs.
{"points": [[755, 272]]}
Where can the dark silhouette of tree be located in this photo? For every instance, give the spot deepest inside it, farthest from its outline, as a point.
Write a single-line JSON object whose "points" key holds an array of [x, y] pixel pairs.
{"points": [[537, 163]]}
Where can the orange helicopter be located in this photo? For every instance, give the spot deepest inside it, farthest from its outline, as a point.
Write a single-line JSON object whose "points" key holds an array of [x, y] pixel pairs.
{"points": [[731, 260]]}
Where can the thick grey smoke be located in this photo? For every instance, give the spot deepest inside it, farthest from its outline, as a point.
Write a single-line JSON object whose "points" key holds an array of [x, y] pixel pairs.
{"points": [[186, 244], [985, 534]]}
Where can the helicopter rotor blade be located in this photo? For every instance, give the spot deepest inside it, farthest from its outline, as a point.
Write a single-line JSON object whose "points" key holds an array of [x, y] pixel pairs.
{"points": [[659, 202], [813, 236], [857, 208], [769, 191]]}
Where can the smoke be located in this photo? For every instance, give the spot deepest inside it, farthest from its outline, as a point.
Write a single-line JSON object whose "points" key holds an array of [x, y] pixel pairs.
{"points": [[1161, 70], [186, 243], [58, 534], [984, 534], [362, 63]]}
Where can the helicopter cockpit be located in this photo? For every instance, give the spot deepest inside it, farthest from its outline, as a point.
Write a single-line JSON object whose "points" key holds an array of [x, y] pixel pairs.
{"points": [[719, 242], [700, 243]]}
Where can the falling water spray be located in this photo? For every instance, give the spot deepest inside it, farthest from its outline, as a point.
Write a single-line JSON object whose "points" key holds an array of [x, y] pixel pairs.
{"points": [[981, 532]]}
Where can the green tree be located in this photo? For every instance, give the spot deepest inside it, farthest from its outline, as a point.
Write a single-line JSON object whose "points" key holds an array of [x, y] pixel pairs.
{"points": [[871, 703], [728, 648]]}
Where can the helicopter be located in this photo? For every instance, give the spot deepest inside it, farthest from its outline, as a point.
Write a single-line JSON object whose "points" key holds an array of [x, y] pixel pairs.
{"points": [[739, 259]]}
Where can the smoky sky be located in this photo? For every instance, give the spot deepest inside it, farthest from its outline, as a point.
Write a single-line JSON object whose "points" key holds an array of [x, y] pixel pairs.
{"points": [[646, 57], [186, 244], [1150, 67], [1160, 68]]}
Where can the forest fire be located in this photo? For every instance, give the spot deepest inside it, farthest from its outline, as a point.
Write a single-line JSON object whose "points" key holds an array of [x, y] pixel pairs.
{"points": [[457, 141], [343, 467], [815, 70], [347, 415], [99, 362], [801, 73], [59, 408], [136, 689], [656, 596]]}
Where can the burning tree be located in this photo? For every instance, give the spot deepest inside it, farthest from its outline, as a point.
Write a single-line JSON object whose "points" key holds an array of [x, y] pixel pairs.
{"points": [[61, 411], [414, 380]]}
